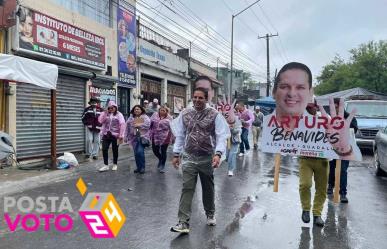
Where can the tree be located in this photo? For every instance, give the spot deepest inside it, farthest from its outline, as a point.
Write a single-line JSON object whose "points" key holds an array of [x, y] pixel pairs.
{"points": [[366, 68]]}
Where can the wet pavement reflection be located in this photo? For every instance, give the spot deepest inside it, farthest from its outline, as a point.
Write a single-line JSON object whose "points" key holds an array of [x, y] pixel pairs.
{"points": [[249, 214]]}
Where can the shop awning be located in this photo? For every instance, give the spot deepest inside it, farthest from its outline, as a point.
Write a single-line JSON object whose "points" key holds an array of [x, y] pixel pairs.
{"points": [[19, 69]]}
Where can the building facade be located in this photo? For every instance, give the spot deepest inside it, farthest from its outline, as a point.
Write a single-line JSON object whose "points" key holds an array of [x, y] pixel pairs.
{"points": [[162, 75], [84, 41]]}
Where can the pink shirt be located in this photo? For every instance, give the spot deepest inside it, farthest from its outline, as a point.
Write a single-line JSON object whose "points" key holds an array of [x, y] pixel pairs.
{"points": [[161, 129]]}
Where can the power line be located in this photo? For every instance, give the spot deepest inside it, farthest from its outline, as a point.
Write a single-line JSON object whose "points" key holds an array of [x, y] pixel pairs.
{"points": [[223, 40], [271, 24], [182, 40], [188, 21], [183, 29]]}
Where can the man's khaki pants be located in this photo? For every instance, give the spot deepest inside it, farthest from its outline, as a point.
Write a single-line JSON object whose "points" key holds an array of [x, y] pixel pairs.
{"points": [[256, 131], [192, 167], [319, 169]]}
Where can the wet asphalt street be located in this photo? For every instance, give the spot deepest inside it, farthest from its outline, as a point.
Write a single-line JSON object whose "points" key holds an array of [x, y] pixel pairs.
{"points": [[249, 214]]}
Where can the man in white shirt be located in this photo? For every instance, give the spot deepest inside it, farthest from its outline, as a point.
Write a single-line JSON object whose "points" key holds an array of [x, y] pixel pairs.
{"points": [[201, 133]]}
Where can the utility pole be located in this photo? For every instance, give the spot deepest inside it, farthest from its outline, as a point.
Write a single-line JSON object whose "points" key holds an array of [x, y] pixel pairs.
{"points": [[232, 41], [267, 36]]}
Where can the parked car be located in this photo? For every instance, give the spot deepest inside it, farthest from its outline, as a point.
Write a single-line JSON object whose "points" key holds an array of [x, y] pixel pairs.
{"points": [[380, 152], [371, 116]]}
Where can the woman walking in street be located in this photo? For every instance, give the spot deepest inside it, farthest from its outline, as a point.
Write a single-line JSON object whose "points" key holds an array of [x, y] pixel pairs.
{"points": [[113, 127], [235, 140], [161, 135], [137, 134]]}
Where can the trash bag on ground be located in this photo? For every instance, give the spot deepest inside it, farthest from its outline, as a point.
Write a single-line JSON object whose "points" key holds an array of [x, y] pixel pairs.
{"points": [[66, 161]]}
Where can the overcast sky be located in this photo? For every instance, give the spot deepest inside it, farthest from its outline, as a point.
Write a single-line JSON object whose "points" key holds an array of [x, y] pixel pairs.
{"points": [[311, 31]]}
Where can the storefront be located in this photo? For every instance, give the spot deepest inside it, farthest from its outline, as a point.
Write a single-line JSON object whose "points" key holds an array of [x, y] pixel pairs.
{"points": [[163, 75], [82, 56], [33, 115], [150, 88]]}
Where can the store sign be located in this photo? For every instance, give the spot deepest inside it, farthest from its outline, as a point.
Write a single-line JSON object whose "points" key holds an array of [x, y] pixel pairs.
{"points": [[149, 52], [103, 94], [47, 36], [162, 57], [126, 43]]}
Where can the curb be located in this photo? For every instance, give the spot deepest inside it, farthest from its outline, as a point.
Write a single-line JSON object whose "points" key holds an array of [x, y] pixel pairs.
{"points": [[51, 176]]}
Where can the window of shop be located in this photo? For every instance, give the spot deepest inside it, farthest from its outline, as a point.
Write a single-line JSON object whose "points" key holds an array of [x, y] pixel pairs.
{"points": [[98, 10], [150, 89]]}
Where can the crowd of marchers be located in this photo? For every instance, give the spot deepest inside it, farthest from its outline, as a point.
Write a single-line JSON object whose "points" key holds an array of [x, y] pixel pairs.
{"points": [[202, 133]]}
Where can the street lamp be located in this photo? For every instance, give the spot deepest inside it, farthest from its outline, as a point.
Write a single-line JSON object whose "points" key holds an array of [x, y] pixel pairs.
{"points": [[232, 41]]}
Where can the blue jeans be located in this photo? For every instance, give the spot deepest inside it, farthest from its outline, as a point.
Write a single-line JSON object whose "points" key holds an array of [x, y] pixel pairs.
{"points": [[139, 155], [245, 140], [343, 175], [231, 156]]}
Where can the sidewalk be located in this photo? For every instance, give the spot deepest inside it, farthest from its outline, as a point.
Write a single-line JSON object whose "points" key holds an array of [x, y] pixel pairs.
{"points": [[14, 180]]}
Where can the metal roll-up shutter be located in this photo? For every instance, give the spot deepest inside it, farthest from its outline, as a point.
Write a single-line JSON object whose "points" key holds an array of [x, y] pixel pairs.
{"points": [[70, 103], [33, 121]]}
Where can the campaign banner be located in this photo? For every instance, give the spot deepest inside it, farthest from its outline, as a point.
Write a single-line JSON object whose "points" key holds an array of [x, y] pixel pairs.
{"points": [[103, 94], [49, 37], [126, 43], [309, 136]]}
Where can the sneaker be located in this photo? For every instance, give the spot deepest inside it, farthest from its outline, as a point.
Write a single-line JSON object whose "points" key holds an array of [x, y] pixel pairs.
{"points": [[255, 147], [318, 221], [95, 157], [104, 168], [114, 167], [247, 152], [181, 227], [241, 154], [305, 216], [162, 171], [343, 199], [87, 156], [230, 173], [211, 221], [136, 171], [330, 190]]}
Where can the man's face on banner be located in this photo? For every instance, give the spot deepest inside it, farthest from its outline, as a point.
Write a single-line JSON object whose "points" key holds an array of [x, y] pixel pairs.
{"points": [[293, 92]]}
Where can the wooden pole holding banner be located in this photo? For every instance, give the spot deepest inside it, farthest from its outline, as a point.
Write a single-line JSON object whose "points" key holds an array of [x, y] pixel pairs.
{"points": [[336, 196], [277, 163]]}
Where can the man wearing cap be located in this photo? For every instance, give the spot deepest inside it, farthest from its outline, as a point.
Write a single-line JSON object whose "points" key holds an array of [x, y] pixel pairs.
{"points": [[90, 120], [154, 107], [145, 104]]}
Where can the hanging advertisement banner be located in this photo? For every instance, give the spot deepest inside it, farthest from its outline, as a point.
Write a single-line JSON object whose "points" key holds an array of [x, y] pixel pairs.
{"points": [[103, 94], [46, 36], [126, 44]]}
